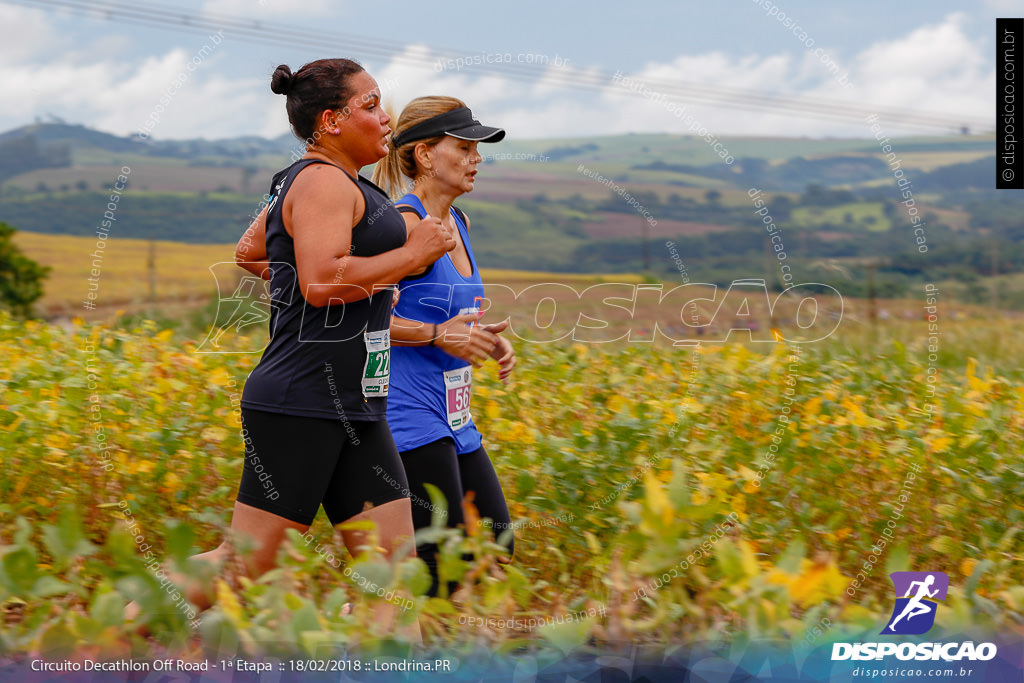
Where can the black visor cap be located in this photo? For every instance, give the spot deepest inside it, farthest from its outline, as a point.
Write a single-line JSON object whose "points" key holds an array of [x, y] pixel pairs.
{"points": [[458, 123]]}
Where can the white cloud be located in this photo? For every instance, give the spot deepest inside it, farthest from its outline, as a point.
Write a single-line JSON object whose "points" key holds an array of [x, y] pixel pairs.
{"points": [[25, 34], [929, 54], [119, 97], [205, 104], [935, 68], [717, 68]]}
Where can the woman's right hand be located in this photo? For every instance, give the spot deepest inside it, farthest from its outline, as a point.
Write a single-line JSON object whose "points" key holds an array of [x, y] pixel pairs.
{"points": [[429, 240], [472, 344]]}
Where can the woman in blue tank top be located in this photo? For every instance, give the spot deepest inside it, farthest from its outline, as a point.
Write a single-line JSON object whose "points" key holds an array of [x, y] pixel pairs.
{"points": [[434, 330], [332, 246]]}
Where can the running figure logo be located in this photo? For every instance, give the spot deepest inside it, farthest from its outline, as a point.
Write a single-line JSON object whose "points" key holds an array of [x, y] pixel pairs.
{"points": [[914, 613], [249, 304]]}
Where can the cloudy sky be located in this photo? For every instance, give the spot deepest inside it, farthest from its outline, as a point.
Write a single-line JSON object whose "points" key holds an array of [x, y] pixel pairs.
{"points": [[922, 57]]}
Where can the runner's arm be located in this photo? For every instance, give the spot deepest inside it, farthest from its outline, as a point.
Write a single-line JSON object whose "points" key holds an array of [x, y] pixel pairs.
{"points": [[454, 336], [321, 212]]}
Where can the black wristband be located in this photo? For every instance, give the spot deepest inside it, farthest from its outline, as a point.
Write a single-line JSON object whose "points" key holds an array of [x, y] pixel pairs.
{"points": [[433, 335]]}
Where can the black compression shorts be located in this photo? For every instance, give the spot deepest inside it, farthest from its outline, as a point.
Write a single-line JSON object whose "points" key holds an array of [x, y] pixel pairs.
{"points": [[293, 465]]}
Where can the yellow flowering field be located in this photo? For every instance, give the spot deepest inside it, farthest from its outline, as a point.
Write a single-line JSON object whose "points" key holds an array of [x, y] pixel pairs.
{"points": [[661, 495]]}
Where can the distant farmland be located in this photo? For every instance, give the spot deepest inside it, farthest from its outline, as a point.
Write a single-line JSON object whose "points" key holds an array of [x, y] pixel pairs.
{"points": [[182, 270], [545, 305], [624, 225]]}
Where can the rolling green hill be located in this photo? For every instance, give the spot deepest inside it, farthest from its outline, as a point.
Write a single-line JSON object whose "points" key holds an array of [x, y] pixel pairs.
{"points": [[576, 205]]}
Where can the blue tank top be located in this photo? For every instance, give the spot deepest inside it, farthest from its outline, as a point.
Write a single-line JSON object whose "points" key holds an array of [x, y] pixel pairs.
{"points": [[430, 389], [329, 361]]}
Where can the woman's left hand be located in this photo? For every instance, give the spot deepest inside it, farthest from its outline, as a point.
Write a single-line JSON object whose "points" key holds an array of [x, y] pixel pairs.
{"points": [[503, 351]]}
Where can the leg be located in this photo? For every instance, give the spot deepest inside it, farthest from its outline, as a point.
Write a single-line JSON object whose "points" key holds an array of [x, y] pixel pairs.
{"points": [[904, 613], [288, 461], [394, 527], [265, 529], [478, 475], [435, 463], [369, 483], [370, 473]]}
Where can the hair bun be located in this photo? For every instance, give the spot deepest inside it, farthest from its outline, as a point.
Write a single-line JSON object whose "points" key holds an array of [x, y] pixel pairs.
{"points": [[282, 80]]}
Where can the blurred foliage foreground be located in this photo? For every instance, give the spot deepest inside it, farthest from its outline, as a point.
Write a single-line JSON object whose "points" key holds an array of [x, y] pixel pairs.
{"points": [[661, 497]]}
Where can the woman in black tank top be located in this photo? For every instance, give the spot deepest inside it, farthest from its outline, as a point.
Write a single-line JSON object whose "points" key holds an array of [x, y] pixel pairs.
{"points": [[332, 246]]}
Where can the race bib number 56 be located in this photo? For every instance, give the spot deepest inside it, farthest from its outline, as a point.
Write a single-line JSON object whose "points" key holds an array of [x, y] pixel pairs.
{"points": [[377, 370], [458, 387]]}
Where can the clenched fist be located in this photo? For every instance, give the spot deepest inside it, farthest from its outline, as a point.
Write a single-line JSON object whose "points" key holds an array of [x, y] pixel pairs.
{"points": [[429, 240]]}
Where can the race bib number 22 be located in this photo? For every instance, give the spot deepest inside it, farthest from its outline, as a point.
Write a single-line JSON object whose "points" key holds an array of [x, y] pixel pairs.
{"points": [[377, 370]]}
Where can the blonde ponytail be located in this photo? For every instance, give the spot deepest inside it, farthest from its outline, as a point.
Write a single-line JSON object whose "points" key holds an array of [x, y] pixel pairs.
{"points": [[387, 173]]}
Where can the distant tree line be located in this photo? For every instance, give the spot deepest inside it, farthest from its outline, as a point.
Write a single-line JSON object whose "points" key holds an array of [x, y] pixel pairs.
{"points": [[24, 153]]}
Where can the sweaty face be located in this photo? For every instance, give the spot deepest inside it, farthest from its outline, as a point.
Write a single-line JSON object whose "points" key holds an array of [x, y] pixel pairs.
{"points": [[364, 123], [454, 163]]}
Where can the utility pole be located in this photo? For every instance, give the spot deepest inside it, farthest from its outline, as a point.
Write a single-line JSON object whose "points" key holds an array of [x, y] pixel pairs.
{"points": [[645, 229], [770, 277], [151, 266], [995, 271], [872, 299]]}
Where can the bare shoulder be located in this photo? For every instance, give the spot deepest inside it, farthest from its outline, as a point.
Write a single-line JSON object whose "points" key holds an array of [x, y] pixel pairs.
{"points": [[412, 219], [323, 178], [465, 218], [325, 188]]}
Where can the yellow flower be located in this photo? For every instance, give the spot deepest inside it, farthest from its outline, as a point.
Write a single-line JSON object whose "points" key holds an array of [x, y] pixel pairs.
{"points": [[228, 602], [219, 377], [215, 434]]}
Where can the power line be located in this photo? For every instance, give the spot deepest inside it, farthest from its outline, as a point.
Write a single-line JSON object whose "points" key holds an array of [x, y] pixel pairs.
{"points": [[589, 80]]}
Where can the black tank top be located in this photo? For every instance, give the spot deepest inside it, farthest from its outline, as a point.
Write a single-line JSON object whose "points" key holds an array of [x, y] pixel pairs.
{"points": [[317, 358]]}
